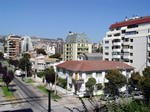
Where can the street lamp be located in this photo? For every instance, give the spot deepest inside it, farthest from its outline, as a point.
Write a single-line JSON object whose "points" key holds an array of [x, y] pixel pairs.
{"points": [[49, 100]]}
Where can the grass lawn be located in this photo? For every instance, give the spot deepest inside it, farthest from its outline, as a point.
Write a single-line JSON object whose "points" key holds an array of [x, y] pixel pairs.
{"points": [[45, 91], [29, 80], [6, 92]]}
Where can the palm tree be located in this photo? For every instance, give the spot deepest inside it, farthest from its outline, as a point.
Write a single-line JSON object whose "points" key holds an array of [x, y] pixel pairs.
{"points": [[50, 79]]}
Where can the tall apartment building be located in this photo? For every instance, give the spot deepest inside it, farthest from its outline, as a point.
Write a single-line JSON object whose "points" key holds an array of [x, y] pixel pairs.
{"points": [[76, 44], [26, 44], [13, 46], [129, 41]]}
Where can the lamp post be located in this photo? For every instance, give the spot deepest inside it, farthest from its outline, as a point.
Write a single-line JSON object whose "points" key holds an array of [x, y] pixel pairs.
{"points": [[49, 100]]}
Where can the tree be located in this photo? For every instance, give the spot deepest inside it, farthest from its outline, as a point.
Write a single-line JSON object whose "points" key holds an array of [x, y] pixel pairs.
{"points": [[1, 56], [7, 76], [50, 75], [25, 64], [27, 56], [40, 51], [134, 79], [57, 55], [90, 84], [116, 81], [100, 49], [146, 72], [14, 62], [99, 86], [50, 78], [145, 83]]}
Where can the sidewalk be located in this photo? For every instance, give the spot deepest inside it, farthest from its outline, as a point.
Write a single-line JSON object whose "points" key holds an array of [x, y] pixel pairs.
{"points": [[61, 91], [4, 105]]}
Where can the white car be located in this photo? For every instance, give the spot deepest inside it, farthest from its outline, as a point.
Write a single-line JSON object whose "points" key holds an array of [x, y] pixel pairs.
{"points": [[18, 72]]}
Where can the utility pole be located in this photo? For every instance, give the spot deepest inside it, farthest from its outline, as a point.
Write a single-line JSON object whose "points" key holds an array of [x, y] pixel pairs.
{"points": [[49, 100]]}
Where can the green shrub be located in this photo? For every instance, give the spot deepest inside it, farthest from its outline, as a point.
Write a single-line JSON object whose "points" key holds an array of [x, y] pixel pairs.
{"points": [[99, 86], [52, 93], [61, 82], [41, 74], [6, 92], [29, 81], [134, 106]]}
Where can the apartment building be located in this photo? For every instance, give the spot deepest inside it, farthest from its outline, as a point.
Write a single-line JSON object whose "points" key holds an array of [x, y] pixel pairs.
{"points": [[26, 44], [76, 44], [13, 46], [129, 41]]}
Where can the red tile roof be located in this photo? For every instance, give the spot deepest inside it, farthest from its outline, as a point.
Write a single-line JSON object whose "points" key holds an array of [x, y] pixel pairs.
{"points": [[131, 22], [93, 65]]}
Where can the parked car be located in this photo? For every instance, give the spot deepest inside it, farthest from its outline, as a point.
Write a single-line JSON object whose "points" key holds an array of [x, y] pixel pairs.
{"points": [[18, 73], [137, 93]]}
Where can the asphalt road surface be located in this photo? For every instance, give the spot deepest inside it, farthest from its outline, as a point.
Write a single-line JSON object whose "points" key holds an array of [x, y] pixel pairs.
{"points": [[31, 98]]}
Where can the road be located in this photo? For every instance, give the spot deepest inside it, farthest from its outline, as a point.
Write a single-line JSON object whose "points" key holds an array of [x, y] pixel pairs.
{"points": [[31, 97]]}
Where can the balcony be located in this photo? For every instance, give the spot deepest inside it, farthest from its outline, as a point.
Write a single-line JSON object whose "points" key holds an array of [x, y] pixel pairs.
{"points": [[148, 62], [148, 38], [116, 43], [126, 43], [126, 56], [116, 49], [83, 47], [126, 50], [116, 56], [148, 48]]}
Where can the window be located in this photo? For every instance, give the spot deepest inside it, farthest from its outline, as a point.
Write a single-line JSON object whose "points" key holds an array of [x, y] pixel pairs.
{"points": [[126, 60], [109, 35], [88, 74], [131, 33], [99, 74], [131, 47], [126, 39], [115, 53], [106, 59], [116, 40], [116, 47], [131, 40], [106, 42], [131, 54], [118, 28], [117, 34], [131, 61], [123, 31], [106, 53], [132, 26], [106, 47], [112, 29]]}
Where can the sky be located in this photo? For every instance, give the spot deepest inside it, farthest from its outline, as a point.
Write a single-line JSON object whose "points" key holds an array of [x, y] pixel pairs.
{"points": [[55, 18]]}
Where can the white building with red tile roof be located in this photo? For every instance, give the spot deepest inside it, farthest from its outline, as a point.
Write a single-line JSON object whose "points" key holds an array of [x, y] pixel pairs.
{"points": [[42, 62], [81, 71]]}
